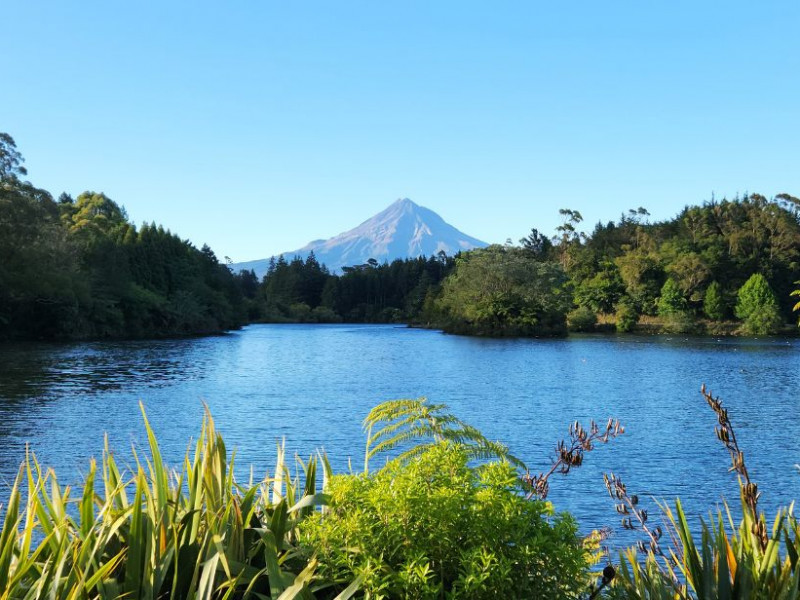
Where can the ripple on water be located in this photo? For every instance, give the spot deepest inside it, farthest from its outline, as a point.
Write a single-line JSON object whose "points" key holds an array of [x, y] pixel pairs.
{"points": [[314, 384]]}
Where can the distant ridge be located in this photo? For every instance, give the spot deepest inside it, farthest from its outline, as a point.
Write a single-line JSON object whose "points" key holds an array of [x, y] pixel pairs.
{"points": [[403, 230]]}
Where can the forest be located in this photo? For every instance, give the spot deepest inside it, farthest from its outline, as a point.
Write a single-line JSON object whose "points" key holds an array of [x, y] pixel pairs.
{"points": [[727, 266], [78, 268]]}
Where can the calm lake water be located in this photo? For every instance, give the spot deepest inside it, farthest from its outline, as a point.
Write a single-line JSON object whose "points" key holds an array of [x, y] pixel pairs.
{"points": [[314, 384]]}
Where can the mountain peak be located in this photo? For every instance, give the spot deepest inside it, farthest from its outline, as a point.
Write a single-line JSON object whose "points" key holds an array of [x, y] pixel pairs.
{"points": [[405, 202], [404, 229]]}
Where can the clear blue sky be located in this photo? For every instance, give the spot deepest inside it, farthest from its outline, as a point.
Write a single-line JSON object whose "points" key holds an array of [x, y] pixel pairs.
{"points": [[258, 126]]}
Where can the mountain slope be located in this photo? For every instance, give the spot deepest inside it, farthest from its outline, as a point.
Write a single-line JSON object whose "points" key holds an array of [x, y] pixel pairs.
{"points": [[403, 230]]}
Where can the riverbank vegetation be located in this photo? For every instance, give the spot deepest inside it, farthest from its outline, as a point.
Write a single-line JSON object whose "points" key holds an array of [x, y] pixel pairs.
{"points": [[439, 511], [724, 267], [77, 268]]}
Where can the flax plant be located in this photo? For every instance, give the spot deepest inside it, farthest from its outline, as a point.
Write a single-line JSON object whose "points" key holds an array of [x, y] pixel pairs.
{"points": [[192, 533], [724, 560]]}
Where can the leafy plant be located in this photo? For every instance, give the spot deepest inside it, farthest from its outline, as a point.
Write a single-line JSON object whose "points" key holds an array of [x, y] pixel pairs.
{"points": [[193, 533], [671, 300], [725, 560], [501, 290], [626, 315], [432, 526], [714, 302], [757, 307], [417, 426], [581, 319]]}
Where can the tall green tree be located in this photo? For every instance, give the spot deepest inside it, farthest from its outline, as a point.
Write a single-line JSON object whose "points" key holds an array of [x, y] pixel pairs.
{"points": [[714, 302], [671, 301], [757, 306], [501, 290]]}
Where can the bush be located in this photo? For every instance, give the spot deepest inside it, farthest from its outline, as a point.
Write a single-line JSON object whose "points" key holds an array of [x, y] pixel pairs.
{"points": [[680, 322], [757, 306], [502, 291], [323, 314], [714, 302], [581, 319], [434, 526], [671, 301], [300, 311], [754, 558], [627, 317], [156, 533], [763, 321]]}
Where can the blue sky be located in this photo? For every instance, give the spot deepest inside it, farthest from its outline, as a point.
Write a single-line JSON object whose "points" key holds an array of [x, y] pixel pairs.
{"points": [[258, 126]]}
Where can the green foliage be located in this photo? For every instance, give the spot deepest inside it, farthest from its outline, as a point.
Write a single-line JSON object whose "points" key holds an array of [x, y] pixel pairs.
{"points": [[724, 241], [724, 560], [384, 293], [796, 307], [673, 309], [757, 306], [582, 319], [10, 159], [434, 527], [601, 291], [80, 269], [626, 315], [714, 302], [193, 533], [504, 291], [642, 272], [671, 300], [418, 426]]}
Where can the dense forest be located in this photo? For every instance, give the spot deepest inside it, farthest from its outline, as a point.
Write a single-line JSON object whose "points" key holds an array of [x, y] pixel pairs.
{"points": [[726, 266], [77, 268]]}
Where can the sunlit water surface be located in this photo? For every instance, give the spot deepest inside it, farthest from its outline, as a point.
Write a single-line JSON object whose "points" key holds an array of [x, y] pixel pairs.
{"points": [[312, 385]]}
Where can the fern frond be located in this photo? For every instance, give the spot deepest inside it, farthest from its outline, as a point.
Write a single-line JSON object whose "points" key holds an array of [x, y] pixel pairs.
{"points": [[400, 422], [416, 432], [390, 429]]}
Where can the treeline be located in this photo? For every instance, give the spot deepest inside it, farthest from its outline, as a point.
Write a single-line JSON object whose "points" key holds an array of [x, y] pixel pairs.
{"points": [[728, 260], [724, 267], [304, 290], [77, 268]]}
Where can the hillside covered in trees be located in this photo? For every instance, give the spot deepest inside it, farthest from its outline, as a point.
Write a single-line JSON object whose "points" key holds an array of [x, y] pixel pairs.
{"points": [[77, 268], [726, 266]]}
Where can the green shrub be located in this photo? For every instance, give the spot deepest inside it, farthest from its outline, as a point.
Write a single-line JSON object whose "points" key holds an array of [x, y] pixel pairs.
{"points": [[581, 319], [158, 533], [435, 527], [714, 302], [796, 307], [323, 314], [300, 311], [626, 315], [753, 559], [671, 300], [757, 306]]}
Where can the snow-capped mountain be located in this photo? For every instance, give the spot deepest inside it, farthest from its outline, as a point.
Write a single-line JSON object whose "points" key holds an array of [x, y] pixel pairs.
{"points": [[403, 230]]}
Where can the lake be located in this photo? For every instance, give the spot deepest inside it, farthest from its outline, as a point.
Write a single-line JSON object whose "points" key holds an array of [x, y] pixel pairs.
{"points": [[313, 384]]}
